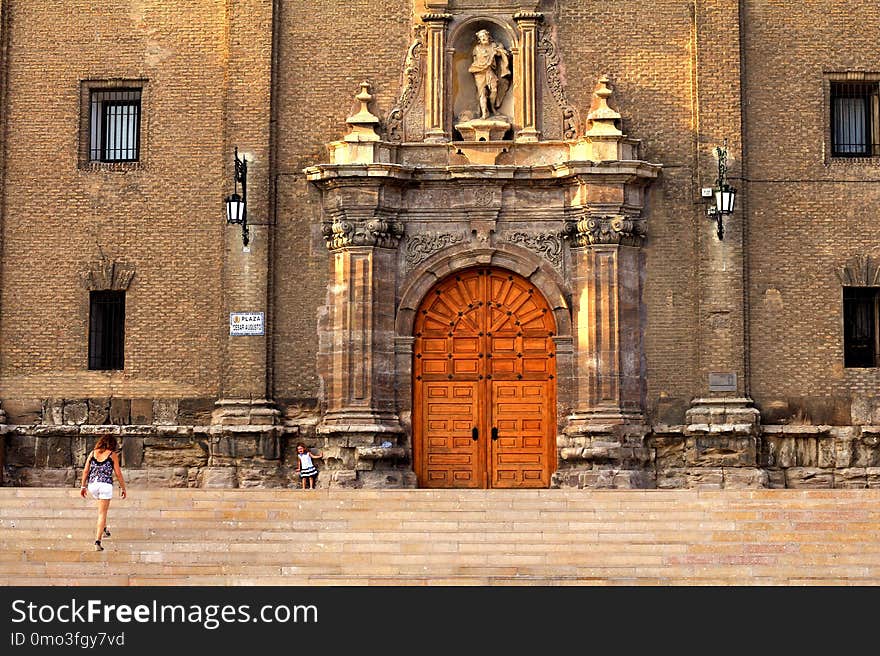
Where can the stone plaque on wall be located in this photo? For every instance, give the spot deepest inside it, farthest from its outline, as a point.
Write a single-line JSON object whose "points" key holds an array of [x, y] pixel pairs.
{"points": [[722, 381]]}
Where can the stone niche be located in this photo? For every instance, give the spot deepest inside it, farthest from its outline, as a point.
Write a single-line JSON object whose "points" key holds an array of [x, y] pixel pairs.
{"points": [[468, 123]]}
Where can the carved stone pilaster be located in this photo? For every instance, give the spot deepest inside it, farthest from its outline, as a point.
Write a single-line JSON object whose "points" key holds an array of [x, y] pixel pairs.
{"points": [[435, 86], [527, 21]]}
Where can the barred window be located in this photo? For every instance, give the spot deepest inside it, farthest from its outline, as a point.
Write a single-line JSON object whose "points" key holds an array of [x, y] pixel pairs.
{"points": [[860, 319], [855, 119], [114, 125], [106, 329]]}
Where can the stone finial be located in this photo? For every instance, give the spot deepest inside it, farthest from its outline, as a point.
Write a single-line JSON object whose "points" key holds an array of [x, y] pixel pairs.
{"points": [[363, 124], [362, 144], [602, 119]]}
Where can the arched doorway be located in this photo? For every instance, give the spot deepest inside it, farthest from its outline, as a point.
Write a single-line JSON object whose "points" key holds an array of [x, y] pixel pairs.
{"points": [[484, 383]]}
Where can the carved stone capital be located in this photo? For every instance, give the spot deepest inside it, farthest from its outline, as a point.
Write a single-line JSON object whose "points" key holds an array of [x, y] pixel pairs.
{"points": [[343, 232], [606, 229], [436, 18], [528, 16]]}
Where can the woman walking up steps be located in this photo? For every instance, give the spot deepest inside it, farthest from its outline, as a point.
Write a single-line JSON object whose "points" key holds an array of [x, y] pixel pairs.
{"points": [[97, 478]]}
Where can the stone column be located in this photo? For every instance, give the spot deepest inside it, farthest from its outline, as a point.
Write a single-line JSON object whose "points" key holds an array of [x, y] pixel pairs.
{"points": [[606, 296], [527, 21], [721, 408], [245, 405], [358, 355], [435, 84]]}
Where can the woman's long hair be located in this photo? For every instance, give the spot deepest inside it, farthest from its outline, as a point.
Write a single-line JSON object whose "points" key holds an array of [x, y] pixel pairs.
{"points": [[107, 443]]}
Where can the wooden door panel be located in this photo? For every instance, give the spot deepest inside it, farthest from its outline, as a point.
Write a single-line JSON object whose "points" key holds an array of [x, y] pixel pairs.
{"points": [[451, 456], [520, 455]]}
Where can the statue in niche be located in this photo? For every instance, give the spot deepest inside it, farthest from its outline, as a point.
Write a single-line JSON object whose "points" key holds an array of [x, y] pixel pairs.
{"points": [[491, 71]]}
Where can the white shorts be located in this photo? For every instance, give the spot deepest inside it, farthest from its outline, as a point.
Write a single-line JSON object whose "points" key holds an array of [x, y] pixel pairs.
{"points": [[101, 490]]}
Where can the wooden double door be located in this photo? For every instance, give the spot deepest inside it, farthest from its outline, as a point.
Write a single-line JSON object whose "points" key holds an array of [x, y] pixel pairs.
{"points": [[484, 388]]}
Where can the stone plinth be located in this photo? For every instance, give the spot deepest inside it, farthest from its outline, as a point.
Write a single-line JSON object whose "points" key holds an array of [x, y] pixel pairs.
{"points": [[483, 129]]}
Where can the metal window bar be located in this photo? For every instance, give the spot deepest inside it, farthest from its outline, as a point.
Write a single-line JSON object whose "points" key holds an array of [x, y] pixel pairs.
{"points": [[860, 308], [106, 330], [114, 125], [855, 119]]}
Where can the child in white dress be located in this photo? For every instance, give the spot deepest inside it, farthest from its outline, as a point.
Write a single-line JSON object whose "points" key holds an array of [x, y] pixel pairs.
{"points": [[305, 466]]}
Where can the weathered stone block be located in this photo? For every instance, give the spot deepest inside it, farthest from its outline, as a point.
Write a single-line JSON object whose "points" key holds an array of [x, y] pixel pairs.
{"points": [[745, 477], [873, 475], [344, 478], [165, 412], [776, 479], [99, 411], [668, 479], [705, 478], [219, 477], [669, 452], [142, 411], [53, 412], [195, 412], [808, 477], [866, 451], [21, 450], [53, 452], [806, 451], [133, 451], [43, 477], [852, 477], [23, 411], [722, 450], [120, 411], [76, 412], [174, 451]]}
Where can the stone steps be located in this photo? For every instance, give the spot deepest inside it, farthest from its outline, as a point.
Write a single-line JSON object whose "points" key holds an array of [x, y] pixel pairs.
{"points": [[435, 537]]}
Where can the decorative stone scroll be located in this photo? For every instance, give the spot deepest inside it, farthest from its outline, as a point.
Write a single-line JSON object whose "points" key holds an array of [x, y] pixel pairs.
{"points": [[107, 274], [420, 247], [860, 271], [613, 229], [377, 232], [412, 74], [547, 245], [547, 45]]}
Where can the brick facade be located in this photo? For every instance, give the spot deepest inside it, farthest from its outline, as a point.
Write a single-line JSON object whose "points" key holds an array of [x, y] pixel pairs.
{"points": [[277, 80]]}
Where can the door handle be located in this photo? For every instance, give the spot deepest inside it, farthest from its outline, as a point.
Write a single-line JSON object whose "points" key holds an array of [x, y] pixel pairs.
{"points": [[494, 433], [475, 433]]}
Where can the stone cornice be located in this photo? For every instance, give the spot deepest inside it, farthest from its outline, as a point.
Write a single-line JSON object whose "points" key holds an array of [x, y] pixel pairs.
{"points": [[624, 171]]}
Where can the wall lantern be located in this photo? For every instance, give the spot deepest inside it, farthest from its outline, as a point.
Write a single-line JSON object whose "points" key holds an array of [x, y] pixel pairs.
{"points": [[236, 206], [723, 195]]}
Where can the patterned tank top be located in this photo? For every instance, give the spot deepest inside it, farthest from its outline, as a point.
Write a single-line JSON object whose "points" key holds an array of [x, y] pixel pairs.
{"points": [[101, 472]]}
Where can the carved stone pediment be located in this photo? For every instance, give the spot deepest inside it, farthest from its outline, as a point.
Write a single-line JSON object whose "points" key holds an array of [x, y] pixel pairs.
{"points": [[860, 271], [107, 274]]}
